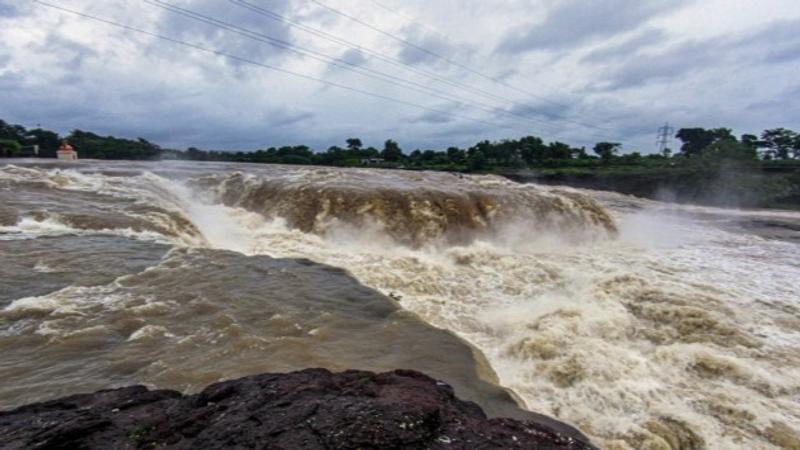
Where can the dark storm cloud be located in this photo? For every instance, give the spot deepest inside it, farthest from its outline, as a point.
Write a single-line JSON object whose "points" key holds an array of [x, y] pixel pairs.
{"points": [[129, 85], [84, 90], [573, 23], [13, 8], [432, 117], [353, 57], [788, 101], [542, 110], [278, 128], [7, 10], [156, 114], [71, 53], [216, 37], [786, 54], [434, 45], [676, 62], [774, 43]]}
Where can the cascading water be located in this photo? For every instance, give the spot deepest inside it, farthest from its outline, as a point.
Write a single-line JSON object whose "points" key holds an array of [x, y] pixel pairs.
{"points": [[644, 324]]}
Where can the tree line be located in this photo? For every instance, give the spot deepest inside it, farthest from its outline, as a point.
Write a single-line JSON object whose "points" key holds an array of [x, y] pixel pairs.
{"points": [[711, 166], [527, 152]]}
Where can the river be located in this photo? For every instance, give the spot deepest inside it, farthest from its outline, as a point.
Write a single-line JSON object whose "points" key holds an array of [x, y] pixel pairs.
{"points": [[646, 325]]}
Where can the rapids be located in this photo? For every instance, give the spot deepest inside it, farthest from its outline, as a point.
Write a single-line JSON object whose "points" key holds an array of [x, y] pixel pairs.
{"points": [[646, 325]]}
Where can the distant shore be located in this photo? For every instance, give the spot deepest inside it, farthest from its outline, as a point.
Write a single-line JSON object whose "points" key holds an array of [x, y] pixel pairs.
{"points": [[713, 167]]}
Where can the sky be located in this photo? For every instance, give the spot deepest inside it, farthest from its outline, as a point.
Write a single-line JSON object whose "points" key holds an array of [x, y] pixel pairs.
{"points": [[247, 74]]}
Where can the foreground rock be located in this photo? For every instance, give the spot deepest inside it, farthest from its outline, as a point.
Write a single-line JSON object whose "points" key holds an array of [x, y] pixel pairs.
{"points": [[312, 409]]}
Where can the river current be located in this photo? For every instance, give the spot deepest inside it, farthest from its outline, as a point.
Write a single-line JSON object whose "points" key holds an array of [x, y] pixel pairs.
{"points": [[646, 325]]}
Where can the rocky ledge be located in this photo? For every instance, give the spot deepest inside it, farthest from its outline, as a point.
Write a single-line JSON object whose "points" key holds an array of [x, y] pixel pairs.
{"points": [[311, 409]]}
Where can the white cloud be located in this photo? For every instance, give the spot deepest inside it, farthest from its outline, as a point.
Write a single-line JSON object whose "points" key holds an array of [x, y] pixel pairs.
{"points": [[712, 63]]}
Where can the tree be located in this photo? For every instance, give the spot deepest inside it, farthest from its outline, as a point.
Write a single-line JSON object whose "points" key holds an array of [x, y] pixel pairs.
{"points": [[9, 148], [456, 156], [485, 147], [476, 160], [47, 141], [12, 132], [391, 151], [532, 150], [559, 150], [195, 154], [607, 150], [751, 141], [632, 158], [796, 147], [91, 145], [731, 151], [779, 142], [727, 173], [696, 139], [354, 144], [429, 156]]}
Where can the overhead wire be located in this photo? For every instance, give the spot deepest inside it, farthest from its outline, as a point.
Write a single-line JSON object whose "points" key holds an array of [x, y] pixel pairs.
{"points": [[270, 14], [263, 65], [338, 62], [398, 13], [533, 115], [452, 62]]}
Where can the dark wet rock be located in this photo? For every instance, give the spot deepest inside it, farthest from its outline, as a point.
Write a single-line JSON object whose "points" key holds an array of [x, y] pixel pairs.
{"points": [[311, 409]]}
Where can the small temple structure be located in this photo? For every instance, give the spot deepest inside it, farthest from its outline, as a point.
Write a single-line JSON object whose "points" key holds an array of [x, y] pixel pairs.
{"points": [[66, 152]]}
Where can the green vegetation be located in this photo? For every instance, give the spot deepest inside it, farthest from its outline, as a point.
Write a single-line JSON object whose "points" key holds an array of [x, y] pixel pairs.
{"points": [[9, 148], [88, 144], [713, 166]]}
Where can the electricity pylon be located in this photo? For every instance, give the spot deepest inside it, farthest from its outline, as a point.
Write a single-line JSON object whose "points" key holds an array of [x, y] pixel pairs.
{"points": [[664, 139]]}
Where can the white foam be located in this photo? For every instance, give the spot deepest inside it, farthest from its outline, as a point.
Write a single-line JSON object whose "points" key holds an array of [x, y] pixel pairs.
{"points": [[674, 326], [31, 228], [603, 374]]}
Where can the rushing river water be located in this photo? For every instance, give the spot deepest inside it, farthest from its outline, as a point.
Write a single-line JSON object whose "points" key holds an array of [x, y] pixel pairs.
{"points": [[646, 325]]}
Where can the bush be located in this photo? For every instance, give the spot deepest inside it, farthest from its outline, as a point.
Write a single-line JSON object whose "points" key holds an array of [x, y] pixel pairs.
{"points": [[9, 148]]}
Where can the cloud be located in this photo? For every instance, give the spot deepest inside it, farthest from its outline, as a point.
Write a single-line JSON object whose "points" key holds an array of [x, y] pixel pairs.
{"points": [[676, 62], [773, 43], [434, 44], [646, 38], [254, 37], [431, 117], [627, 66], [72, 53], [572, 23], [354, 57], [783, 54], [12, 8]]}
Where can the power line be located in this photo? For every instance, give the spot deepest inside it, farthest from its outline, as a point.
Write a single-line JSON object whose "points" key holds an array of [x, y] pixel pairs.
{"points": [[451, 61], [532, 115], [409, 17], [664, 139], [262, 65], [375, 54], [347, 65]]}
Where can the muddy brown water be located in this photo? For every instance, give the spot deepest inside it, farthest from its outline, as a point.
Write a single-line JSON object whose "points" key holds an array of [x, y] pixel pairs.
{"points": [[644, 324]]}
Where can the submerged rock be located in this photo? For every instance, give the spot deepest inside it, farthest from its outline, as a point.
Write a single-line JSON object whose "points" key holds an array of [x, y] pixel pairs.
{"points": [[311, 409]]}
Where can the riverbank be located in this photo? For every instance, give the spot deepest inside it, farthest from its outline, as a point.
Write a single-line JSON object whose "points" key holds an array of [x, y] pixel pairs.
{"points": [[768, 187]]}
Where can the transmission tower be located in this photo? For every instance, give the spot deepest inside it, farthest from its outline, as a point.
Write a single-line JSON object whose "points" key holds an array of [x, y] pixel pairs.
{"points": [[664, 140]]}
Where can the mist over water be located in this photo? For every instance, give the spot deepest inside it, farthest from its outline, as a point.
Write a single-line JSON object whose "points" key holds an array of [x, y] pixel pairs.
{"points": [[646, 325]]}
